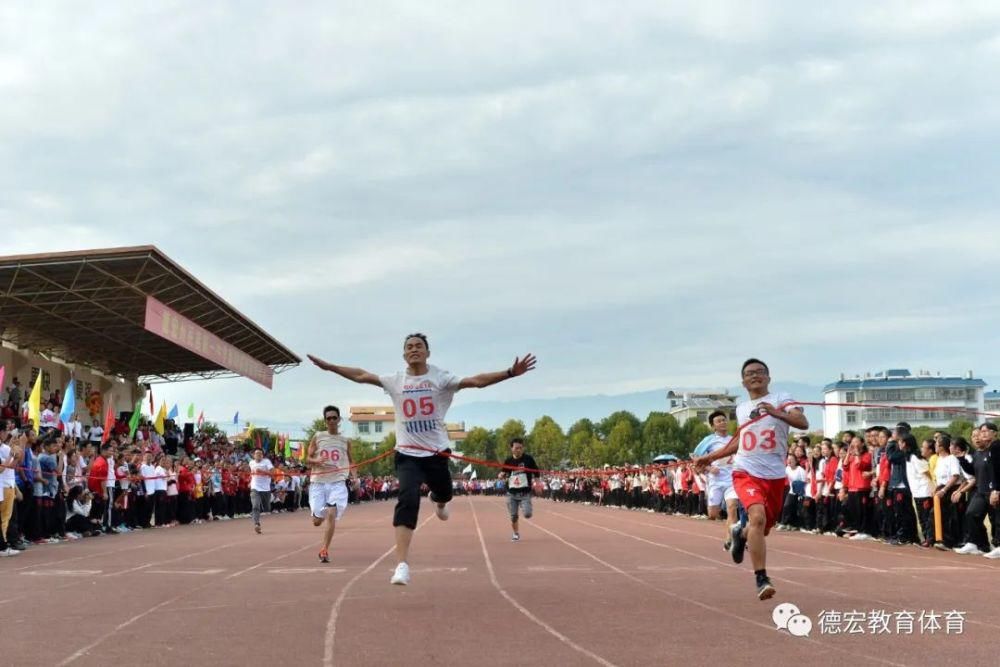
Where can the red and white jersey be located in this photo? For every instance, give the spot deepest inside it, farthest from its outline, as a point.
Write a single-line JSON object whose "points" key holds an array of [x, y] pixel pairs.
{"points": [[332, 449], [421, 403], [763, 444]]}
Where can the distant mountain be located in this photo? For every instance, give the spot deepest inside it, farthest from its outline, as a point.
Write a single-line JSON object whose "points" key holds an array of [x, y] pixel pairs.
{"points": [[566, 411]]}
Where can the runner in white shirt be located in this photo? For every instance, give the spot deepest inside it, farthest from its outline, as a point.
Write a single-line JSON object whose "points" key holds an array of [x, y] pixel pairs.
{"points": [[329, 454], [260, 486], [759, 465], [720, 476], [421, 396]]}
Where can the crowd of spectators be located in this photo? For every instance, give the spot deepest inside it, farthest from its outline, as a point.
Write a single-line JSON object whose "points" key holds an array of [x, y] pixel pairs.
{"points": [[72, 480], [880, 484], [69, 481]]}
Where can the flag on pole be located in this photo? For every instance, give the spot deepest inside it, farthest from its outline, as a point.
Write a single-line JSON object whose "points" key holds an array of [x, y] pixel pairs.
{"points": [[2, 369], [35, 401], [288, 447], [467, 469], [201, 418], [160, 416], [173, 412], [266, 443], [303, 450], [256, 437], [109, 420], [69, 403], [133, 424], [191, 411], [473, 476], [152, 407], [236, 417]]}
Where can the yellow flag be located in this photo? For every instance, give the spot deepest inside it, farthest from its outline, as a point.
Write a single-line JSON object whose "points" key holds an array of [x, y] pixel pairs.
{"points": [[35, 401], [160, 416]]}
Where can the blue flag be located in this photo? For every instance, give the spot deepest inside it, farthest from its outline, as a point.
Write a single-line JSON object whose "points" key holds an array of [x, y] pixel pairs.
{"points": [[173, 412], [236, 417], [69, 402]]}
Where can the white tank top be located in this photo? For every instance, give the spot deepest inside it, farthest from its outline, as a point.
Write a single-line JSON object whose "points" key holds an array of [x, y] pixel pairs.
{"points": [[332, 449]]}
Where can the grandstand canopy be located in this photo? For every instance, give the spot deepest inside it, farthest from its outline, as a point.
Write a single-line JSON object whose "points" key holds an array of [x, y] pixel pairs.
{"points": [[92, 307]]}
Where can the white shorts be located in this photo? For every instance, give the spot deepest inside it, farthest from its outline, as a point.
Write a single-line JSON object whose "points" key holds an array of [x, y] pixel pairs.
{"points": [[717, 493], [323, 495]]}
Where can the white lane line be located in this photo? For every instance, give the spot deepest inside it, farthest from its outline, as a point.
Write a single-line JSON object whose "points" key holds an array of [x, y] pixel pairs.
{"points": [[697, 603], [121, 626], [331, 624], [517, 605]]}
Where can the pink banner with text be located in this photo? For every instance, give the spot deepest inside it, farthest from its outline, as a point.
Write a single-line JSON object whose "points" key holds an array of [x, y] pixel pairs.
{"points": [[178, 329]]}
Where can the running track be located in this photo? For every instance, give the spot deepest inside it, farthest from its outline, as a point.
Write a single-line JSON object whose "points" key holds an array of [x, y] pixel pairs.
{"points": [[585, 585]]}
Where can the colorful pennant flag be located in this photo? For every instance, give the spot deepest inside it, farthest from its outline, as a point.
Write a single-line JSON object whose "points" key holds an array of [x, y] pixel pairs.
{"points": [[69, 403], [133, 423], [152, 406], [201, 418], [109, 420], [160, 416], [236, 417], [191, 411], [173, 412], [35, 401], [2, 369]]}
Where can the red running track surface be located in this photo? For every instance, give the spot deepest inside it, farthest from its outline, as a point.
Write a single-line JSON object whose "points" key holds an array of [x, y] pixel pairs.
{"points": [[585, 585]]}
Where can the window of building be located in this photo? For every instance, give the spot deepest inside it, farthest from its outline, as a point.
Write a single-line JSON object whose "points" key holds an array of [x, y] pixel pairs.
{"points": [[378, 427], [849, 397], [702, 415], [363, 427], [852, 416]]}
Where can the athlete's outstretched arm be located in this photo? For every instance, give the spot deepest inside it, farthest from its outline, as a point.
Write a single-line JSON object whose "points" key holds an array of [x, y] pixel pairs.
{"points": [[354, 374], [519, 367]]}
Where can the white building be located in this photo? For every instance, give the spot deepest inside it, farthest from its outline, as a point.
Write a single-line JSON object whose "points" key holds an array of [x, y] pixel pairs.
{"points": [[372, 423], [991, 401], [700, 404], [897, 395]]}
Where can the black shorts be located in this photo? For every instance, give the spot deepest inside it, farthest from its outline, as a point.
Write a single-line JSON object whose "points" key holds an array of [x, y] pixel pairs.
{"points": [[412, 471]]}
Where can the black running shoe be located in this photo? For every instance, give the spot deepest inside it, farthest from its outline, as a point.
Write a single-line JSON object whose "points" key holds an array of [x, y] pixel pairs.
{"points": [[765, 590], [738, 543]]}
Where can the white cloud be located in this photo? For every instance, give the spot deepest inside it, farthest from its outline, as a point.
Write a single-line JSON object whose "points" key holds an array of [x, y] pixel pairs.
{"points": [[644, 193]]}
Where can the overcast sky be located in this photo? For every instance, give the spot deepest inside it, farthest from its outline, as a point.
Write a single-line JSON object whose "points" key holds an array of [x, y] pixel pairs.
{"points": [[643, 194]]}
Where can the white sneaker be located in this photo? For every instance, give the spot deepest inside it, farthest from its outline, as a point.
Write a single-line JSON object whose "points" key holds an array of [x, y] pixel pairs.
{"points": [[860, 537], [442, 511], [8, 552], [969, 549], [401, 577], [994, 555], [515, 537]]}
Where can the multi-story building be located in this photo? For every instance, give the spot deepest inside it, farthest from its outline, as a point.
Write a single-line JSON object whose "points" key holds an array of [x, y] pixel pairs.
{"points": [[896, 395], [373, 423], [700, 404], [991, 403]]}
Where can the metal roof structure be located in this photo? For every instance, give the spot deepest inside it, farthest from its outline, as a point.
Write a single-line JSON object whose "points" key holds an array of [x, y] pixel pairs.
{"points": [[89, 307], [904, 383]]}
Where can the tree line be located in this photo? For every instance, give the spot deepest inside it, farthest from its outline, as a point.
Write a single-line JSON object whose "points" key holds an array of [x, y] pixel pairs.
{"points": [[618, 439]]}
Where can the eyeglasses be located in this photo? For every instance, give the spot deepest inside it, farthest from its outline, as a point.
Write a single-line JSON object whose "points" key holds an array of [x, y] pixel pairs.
{"points": [[332, 418], [754, 373]]}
